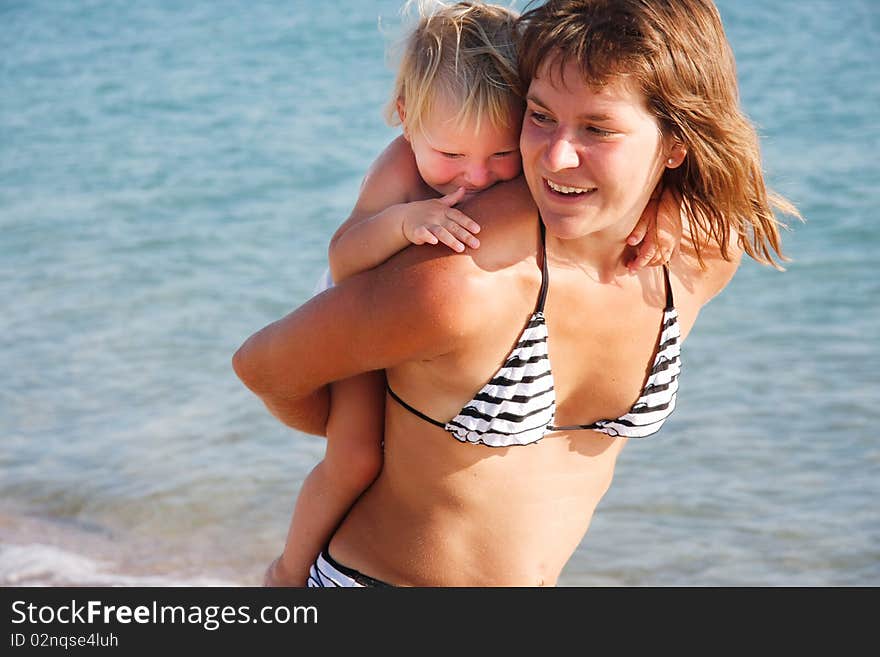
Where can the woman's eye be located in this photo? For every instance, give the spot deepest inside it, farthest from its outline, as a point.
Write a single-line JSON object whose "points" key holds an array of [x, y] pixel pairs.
{"points": [[600, 132], [504, 153], [539, 118]]}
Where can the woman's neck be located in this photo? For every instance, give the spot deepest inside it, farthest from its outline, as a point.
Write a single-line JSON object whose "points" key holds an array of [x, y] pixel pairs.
{"points": [[602, 256]]}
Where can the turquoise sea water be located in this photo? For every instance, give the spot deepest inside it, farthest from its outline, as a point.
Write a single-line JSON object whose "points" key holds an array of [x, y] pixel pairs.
{"points": [[170, 174]]}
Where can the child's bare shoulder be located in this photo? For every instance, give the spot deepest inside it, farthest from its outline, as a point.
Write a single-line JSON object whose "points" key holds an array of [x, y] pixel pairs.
{"points": [[395, 168], [391, 179]]}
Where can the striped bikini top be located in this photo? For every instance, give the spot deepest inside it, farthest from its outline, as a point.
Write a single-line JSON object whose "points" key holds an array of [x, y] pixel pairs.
{"points": [[518, 405]]}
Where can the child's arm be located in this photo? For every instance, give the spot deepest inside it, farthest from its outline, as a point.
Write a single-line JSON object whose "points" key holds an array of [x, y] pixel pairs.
{"points": [[395, 209], [659, 231]]}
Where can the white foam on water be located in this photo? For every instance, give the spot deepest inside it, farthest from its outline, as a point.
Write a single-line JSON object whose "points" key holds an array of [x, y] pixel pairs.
{"points": [[38, 564]]}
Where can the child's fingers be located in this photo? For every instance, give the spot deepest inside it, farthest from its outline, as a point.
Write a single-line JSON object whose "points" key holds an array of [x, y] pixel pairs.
{"points": [[447, 238], [659, 257], [453, 198], [463, 220], [422, 235], [461, 233], [645, 255], [670, 206], [638, 233]]}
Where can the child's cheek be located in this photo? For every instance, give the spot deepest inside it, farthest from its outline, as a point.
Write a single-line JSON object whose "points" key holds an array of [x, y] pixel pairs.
{"points": [[445, 170], [431, 170], [513, 168]]}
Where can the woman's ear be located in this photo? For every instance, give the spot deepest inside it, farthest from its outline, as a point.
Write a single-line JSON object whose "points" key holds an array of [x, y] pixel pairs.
{"points": [[676, 155], [401, 114]]}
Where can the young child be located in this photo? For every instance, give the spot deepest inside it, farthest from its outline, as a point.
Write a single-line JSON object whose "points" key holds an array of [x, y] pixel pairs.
{"points": [[456, 99]]}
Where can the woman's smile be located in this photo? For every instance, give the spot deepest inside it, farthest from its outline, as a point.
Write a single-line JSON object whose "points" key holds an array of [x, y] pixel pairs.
{"points": [[591, 155], [569, 191]]}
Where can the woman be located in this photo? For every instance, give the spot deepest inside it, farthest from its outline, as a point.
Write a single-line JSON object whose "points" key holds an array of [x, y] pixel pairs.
{"points": [[517, 372]]}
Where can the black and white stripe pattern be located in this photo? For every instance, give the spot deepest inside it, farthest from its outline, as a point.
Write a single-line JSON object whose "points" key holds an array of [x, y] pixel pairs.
{"points": [[516, 406], [658, 396], [328, 573], [322, 574]]}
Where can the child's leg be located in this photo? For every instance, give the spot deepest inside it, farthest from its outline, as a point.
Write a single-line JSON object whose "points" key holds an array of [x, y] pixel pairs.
{"points": [[352, 461]]}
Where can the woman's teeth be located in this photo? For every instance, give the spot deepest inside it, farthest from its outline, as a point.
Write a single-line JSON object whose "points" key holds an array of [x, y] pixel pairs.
{"points": [[565, 189]]}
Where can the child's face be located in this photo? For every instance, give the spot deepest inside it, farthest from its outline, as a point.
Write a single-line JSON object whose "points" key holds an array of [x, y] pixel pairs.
{"points": [[448, 157]]}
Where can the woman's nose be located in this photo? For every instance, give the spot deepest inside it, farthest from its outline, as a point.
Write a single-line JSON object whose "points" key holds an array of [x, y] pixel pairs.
{"points": [[561, 153]]}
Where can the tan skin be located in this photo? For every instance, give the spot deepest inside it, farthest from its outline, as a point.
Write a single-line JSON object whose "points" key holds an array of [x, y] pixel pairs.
{"points": [[398, 205], [445, 513]]}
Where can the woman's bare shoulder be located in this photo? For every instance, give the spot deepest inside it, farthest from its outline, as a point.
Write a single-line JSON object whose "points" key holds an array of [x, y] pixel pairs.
{"points": [[703, 273], [502, 203], [508, 220], [440, 282]]}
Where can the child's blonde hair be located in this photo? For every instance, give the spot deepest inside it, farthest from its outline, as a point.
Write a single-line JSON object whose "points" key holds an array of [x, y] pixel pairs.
{"points": [[464, 52]]}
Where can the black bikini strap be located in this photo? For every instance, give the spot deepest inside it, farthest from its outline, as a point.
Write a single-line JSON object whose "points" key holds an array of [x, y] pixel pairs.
{"points": [[545, 276], [411, 409], [670, 303]]}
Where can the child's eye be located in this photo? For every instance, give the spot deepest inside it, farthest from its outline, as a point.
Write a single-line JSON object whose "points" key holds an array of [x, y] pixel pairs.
{"points": [[451, 156], [505, 153]]}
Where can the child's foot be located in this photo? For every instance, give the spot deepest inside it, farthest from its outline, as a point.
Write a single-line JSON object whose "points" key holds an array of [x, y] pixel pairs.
{"points": [[277, 575]]}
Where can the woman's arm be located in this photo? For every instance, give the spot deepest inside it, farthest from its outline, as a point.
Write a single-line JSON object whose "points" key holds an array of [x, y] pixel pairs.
{"points": [[404, 310]]}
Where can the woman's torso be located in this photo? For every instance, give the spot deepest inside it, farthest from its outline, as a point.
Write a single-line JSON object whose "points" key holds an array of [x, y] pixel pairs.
{"points": [[447, 513]]}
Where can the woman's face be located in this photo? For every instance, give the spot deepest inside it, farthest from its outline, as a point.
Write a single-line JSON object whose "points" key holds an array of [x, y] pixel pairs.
{"points": [[591, 156]]}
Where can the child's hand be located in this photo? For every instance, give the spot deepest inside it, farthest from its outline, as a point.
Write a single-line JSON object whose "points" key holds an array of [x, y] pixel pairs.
{"points": [[658, 229], [435, 220]]}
